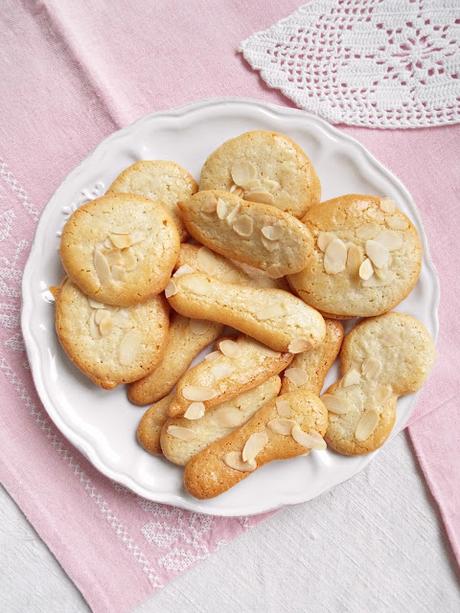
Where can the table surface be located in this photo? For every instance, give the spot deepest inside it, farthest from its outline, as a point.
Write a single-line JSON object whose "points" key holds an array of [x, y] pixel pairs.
{"points": [[374, 543]]}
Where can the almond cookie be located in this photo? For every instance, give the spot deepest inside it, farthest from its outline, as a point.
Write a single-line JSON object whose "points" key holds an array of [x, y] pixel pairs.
{"points": [[264, 167], [289, 426], [120, 249], [111, 345], [257, 234], [160, 180], [237, 366], [149, 428], [187, 337], [182, 438], [309, 368], [195, 258], [381, 359], [272, 316], [366, 260]]}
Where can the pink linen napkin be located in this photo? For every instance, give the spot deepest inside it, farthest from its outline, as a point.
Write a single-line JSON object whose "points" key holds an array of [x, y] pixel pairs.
{"points": [[70, 74]]}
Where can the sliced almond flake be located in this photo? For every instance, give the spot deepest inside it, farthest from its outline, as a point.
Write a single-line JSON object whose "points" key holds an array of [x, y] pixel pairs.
{"points": [[271, 311], [324, 238], [231, 217], [120, 231], [366, 270], [102, 267], [185, 269], [296, 375], [243, 226], [366, 425], [106, 325], [99, 315], [198, 392], [272, 233], [129, 347], [299, 345], [222, 208], [121, 241], [118, 273], [195, 410], [234, 189], [269, 185], [371, 368], [354, 259], [213, 355], [367, 231], [96, 305], [243, 172], [114, 257], [184, 434], [397, 223], [334, 404], [197, 284], [259, 196], [310, 440], [283, 407], [129, 259], [352, 377], [107, 244], [199, 326], [378, 253], [390, 239], [270, 245], [281, 426], [335, 257], [228, 417], [93, 327], [233, 460], [388, 205], [222, 370], [171, 289], [254, 445], [209, 204], [229, 348], [376, 214]]}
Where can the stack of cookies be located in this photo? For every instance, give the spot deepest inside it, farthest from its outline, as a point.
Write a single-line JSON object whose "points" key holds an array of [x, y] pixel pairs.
{"points": [[254, 269]]}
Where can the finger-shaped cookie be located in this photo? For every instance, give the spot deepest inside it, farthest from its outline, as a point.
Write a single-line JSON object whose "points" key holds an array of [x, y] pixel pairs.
{"points": [[272, 316], [160, 180], [257, 234], [201, 259], [265, 167], [309, 368], [187, 337], [120, 249], [381, 358], [149, 428], [366, 257], [237, 366], [111, 345], [182, 438], [284, 428]]}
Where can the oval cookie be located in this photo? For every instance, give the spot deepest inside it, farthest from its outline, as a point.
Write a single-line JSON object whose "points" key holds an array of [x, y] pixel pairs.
{"points": [[120, 249], [111, 345], [366, 258], [159, 180], [272, 316], [257, 234], [264, 166]]}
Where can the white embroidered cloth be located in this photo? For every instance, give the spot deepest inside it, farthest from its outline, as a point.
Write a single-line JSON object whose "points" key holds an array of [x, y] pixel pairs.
{"points": [[375, 63]]}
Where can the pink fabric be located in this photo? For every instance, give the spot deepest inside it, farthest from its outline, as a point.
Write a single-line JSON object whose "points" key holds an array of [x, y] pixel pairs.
{"points": [[70, 74]]}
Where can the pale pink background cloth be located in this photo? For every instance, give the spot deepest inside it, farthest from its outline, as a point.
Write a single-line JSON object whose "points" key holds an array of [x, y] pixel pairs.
{"points": [[70, 74]]}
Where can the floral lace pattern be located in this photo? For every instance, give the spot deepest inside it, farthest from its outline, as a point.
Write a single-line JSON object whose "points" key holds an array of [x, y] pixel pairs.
{"points": [[376, 63]]}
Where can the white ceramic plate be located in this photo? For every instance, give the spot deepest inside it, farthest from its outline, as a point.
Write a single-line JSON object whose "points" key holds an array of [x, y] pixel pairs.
{"points": [[102, 424]]}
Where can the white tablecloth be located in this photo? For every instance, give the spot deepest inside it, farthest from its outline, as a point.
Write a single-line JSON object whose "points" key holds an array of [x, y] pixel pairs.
{"points": [[372, 545]]}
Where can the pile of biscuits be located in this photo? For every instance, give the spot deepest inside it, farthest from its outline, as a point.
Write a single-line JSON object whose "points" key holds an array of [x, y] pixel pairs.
{"points": [[253, 268]]}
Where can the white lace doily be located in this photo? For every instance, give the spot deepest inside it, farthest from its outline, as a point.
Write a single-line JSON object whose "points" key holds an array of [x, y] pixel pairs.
{"points": [[376, 63]]}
